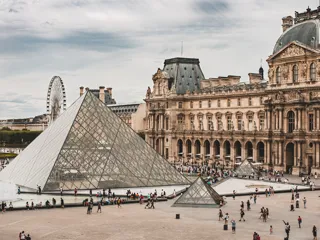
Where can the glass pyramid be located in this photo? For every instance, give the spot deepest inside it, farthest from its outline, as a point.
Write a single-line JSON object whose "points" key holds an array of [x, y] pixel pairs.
{"points": [[89, 147], [199, 194], [246, 169]]}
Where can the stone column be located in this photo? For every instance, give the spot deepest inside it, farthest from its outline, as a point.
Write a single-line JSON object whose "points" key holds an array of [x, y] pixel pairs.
{"points": [[276, 118], [281, 119], [317, 154], [296, 126], [301, 120], [318, 119], [232, 153], [267, 120], [243, 152], [254, 152], [281, 153]]}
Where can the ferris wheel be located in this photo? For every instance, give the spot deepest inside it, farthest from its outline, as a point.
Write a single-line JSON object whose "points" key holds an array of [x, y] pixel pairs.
{"points": [[56, 98]]}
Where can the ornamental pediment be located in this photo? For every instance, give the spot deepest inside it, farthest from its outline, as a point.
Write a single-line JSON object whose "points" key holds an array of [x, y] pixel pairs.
{"points": [[293, 49]]}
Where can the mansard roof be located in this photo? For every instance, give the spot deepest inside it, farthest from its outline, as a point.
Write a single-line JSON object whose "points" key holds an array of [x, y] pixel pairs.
{"points": [[185, 72]]}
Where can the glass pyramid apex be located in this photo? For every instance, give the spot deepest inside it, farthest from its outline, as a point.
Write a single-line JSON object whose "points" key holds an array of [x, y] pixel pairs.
{"points": [[199, 194], [95, 149]]}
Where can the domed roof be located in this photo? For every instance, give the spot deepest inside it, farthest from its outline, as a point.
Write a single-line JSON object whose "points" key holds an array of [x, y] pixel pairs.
{"points": [[306, 33]]}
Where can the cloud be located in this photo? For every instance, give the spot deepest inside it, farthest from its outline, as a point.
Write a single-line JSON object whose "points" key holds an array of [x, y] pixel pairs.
{"points": [[121, 43]]}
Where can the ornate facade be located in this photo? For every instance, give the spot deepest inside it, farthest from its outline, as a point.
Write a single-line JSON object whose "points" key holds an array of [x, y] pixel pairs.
{"points": [[274, 122]]}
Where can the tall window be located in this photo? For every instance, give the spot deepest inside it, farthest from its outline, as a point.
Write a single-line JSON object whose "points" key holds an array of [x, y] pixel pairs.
{"points": [[191, 104], [312, 72], [209, 123], [191, 122], [261, 100], [249, 101], [167, 123], [228, 102], [180, 104], [239, 122], [239, 102], [219, 103], [209, 103], [180, 120], [159, 88], [261, 122], [250, 123], [290, 121], [310, 122], [229, 121], [278, 75], [200, 104], [295, 73], [219, 127]]}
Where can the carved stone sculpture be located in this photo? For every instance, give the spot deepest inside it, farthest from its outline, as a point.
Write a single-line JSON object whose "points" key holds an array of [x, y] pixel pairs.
{"points": [[292, 51], [270, 73], [148, 94]]}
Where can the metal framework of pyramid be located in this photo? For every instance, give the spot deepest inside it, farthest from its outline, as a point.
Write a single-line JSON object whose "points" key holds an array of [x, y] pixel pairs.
{"points": [[199, 194], [246, 169], [90, 147]]}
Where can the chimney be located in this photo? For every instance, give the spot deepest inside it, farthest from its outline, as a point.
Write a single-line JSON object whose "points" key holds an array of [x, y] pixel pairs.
{"points": [[81, 91], [101, 94], [287, 22], [110, 91]]}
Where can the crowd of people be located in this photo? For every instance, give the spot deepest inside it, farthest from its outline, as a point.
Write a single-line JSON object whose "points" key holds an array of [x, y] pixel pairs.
{"points": [[265, 213]]}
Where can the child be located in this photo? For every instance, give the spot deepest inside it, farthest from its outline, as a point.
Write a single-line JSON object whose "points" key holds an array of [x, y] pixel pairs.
{"points": [[271, 229]]}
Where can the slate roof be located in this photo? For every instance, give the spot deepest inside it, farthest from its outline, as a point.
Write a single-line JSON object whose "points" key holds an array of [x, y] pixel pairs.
{"points": [[185, 72], [306, 33]]}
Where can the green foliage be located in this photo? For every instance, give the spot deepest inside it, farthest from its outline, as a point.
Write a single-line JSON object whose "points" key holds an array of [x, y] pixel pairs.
{"points": [[5, 129], [7, 155], [17, 137]]}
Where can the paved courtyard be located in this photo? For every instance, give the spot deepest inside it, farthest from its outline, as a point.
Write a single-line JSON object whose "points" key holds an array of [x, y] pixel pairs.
{"points": [[134, 222]]}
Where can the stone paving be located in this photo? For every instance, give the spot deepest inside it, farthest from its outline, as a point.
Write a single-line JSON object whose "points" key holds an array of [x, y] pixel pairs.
{"points": [[134, 222]]}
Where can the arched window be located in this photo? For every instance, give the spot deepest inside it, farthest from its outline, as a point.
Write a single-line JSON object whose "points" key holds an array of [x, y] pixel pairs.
{"points": [[278, 75], [295, 73], [312, 72], [290, 121]]}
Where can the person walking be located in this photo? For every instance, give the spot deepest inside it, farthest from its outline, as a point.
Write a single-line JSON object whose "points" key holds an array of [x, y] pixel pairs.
{"points": [[62, 203], [255, 199], [242, 215], [220, 215], [314, 232], [61, 191], [271, 229], [148, 203], [152, 203], [287, 228], [234, 195], [75, 192], [267, 212], [99, 207], [248, 205], [233, 226], [119, 202], [304, 202], [242, 205], [299, 221]]}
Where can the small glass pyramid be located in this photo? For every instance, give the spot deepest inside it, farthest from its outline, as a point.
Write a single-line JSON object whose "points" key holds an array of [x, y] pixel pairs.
{"points": [[90, 147], [199, 194], [246, 169]]}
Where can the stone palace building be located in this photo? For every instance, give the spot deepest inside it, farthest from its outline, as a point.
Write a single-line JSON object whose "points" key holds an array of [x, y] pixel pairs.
{"points": [[274, 122]]}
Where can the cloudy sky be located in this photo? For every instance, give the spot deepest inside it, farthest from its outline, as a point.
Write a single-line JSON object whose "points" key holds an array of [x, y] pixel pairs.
{"points": [[121, 43]]}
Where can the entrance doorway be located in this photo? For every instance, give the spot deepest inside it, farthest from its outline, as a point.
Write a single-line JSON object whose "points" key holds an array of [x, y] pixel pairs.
{"points": [[289, 157]]}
